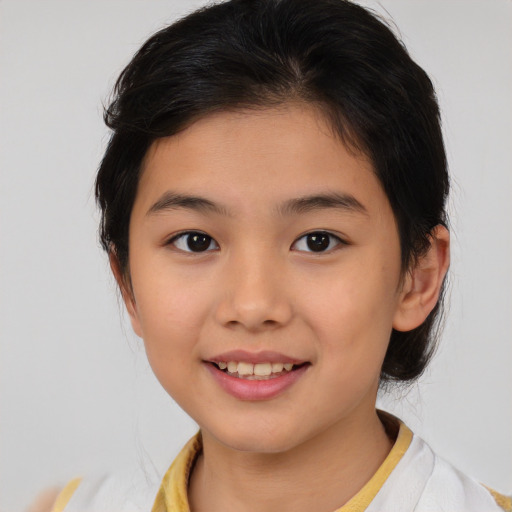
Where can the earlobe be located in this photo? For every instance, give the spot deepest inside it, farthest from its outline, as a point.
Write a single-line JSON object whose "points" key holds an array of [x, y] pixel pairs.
{"points": [[126, 292], [423, 283]]}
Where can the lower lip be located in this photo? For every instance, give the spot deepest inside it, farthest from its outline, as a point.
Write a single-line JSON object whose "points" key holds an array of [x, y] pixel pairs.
{"points": [[245, 389]]}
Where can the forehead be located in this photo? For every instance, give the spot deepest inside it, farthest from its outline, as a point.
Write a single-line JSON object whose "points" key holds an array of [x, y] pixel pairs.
{"points": [[258, 156]]}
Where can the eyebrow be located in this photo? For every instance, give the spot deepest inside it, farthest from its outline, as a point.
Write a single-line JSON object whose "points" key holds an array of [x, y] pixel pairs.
{"points": [[330, 200], [300, 205], [174, 201]]}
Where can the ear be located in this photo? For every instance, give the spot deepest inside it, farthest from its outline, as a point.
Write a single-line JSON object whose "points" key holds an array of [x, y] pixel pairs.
{"points": [[422, 285], [123, 281]]}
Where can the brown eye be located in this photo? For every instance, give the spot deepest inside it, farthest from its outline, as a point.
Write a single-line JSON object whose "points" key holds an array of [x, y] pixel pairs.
{"points": [[194, 241], [317, 241]]}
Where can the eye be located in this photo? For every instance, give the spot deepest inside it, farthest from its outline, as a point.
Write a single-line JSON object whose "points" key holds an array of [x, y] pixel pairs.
{"points": [[193, 241], [317, 241]]}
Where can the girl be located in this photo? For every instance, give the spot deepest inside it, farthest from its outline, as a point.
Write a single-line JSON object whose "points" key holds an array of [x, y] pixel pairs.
{"points": [[273, 208]]}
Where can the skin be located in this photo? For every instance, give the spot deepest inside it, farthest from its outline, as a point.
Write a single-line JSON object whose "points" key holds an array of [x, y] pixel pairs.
{"points": [[259, 287], [44, 501]]}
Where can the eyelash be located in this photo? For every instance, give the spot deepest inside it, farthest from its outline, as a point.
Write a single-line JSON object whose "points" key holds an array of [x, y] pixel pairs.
{"points": [[183, 236], [332, 238]]}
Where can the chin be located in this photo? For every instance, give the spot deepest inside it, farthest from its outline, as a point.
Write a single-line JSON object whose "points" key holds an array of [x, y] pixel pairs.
{"points": [[269, 440], [260, 445]]}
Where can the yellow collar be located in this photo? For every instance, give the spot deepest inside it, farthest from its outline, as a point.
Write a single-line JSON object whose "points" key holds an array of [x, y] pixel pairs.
{"points": [[172, 496]]}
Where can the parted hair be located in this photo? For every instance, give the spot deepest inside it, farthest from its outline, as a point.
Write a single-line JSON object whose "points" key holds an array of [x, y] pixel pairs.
{"points": [[249, 54]]}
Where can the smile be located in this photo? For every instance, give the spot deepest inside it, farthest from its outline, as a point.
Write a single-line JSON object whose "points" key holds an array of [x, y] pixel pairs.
{"points": [[258, 371], [263, 378]]}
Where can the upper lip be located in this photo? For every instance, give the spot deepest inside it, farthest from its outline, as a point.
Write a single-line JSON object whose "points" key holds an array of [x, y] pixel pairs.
{"points": [[264, 356]]}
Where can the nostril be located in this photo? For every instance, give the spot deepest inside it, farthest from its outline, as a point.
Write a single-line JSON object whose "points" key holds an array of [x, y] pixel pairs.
{"points": [[253, 312]]}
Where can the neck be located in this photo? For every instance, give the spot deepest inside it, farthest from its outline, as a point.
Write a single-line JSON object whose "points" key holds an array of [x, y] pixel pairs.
{"points": [[322, 474]]}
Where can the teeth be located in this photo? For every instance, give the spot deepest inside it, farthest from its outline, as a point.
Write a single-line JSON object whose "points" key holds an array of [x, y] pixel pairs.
{"points": [[245, 369], [262, 369], [232, 367], [258, 369]]}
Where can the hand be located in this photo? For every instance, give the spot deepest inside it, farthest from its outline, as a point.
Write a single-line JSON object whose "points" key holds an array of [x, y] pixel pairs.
{"points": [[44, 501]]}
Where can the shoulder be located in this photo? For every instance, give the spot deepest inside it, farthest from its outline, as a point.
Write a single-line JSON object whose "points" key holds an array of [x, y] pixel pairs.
{"points": [[421, 481], [449, 489], [136, 490], [132, 490]]}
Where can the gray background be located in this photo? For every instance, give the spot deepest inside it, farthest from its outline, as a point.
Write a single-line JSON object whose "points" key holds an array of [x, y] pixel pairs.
{"points": [[76, 394]]}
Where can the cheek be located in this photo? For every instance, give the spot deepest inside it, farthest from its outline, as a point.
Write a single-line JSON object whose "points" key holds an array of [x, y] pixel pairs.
{"points": [[354, 327], [171, 310], [360, 296], [353, 315], [171, 318]]}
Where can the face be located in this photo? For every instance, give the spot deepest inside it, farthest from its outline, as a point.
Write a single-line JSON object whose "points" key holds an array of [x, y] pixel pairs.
{"points": [[260, 243]]}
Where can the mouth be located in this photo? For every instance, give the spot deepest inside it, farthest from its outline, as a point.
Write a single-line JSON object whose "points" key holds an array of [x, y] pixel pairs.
{"points": [[256, 377], [258, 371]]}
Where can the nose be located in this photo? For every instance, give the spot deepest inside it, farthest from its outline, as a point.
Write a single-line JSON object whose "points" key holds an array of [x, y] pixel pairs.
{"points": [[254, 293]]}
